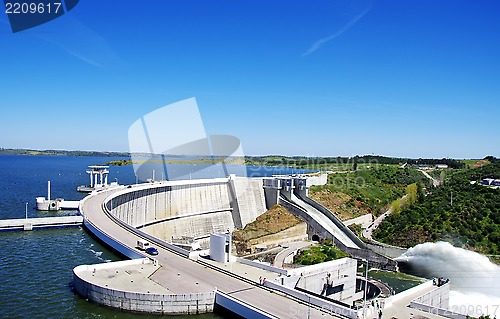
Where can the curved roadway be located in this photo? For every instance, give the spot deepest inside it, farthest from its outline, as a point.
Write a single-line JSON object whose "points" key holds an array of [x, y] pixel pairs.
{"points": [[181, 275]]}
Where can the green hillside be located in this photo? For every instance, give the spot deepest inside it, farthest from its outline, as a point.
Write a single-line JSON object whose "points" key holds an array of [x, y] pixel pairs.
{"points": [[464, 214], [364, 191]]}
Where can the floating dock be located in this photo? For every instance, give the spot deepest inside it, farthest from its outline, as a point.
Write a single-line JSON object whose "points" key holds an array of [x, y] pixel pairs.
{"points": [[38, 223]]}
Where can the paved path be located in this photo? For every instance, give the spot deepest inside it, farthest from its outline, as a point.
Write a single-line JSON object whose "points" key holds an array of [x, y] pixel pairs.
{"points": [[367, 233], [435, 182], [181, 275], [281, 256], [363, 220]]}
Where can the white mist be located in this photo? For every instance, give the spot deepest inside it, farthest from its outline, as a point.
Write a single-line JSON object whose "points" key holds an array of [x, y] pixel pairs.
{"points": [[475, 280]]}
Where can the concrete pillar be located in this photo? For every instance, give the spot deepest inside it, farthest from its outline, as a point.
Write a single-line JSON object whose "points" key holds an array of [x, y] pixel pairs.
{"points": [[91, 179], [271, 195], [301, 187], [234, 202], [287, 188]]}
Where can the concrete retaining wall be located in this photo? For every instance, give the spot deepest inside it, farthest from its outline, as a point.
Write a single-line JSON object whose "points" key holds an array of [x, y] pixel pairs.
{"points": [[326, 305], [241, 308], [437, 311], [122, 249], [437, 302], [340, 272], [141, 302], [262, 266], [405, 294], [439, 297], [386, 250]]}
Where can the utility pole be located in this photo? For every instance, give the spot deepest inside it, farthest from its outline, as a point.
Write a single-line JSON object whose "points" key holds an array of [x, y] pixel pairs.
{"points": [[366, 287]]}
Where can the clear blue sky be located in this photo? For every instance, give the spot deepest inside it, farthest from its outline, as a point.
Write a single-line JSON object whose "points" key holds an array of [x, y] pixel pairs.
{"points": [[395, 78]]}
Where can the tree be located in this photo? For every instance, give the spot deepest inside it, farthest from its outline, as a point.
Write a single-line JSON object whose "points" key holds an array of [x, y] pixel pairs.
{"points": [[412, 192]]}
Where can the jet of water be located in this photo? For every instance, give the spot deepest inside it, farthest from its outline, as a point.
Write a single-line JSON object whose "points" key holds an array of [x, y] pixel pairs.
{"points": [[475, 280]]}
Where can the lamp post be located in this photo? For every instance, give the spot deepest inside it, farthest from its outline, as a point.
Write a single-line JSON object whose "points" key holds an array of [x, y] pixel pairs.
{"points": [[366, 286], [309, 307], [26, 210]]}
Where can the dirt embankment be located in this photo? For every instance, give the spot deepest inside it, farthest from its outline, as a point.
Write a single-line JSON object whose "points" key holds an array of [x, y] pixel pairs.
{"points": [[275, 220], [342, 205]]}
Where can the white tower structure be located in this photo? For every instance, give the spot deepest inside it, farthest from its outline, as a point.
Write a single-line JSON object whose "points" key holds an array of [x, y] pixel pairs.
{"points": [[98, 175]]}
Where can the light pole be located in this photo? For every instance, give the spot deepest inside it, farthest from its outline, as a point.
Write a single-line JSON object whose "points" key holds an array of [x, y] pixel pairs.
{"points": [[366, 286], [309, 307], [26, 210]]}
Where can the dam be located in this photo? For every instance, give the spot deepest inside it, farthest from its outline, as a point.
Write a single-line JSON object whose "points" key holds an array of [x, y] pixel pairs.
{"points": [[179, 280], [183, 283]]}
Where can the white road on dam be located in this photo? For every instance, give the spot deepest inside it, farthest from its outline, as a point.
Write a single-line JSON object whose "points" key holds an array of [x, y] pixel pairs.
{"points": [[180, 275]]}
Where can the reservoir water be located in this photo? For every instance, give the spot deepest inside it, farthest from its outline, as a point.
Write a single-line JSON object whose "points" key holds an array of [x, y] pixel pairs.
{"points": [[36, 266]]}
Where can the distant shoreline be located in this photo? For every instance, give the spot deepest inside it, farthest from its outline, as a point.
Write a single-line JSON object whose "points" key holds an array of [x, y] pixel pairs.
{"points": [[265, 160], [32, 152]]}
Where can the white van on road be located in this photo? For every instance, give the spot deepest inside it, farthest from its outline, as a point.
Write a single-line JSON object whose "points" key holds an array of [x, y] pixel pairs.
{"points": [[142, 244]]}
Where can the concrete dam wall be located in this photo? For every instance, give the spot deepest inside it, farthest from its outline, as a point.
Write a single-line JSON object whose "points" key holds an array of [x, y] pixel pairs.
{"points": [[193, 208]]}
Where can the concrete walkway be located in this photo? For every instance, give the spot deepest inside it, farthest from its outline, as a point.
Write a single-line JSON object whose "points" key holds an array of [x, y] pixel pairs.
{"points": [[43, 222], [293, 246], [364, 221], [367, 232]]}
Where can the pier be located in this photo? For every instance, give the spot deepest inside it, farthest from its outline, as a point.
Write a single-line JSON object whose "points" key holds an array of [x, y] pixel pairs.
{"points": [[40, 223]]}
